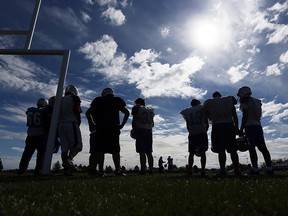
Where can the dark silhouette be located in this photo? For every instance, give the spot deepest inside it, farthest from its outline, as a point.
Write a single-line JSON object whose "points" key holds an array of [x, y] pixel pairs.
{"points": [[142, 124], [69, 128], [160, 164], [103, 118], [197, 126], [170, 163], [251, 123], [35, 138], [222, 112]]}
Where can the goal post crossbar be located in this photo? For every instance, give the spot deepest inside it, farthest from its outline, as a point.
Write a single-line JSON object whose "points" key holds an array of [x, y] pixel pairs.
{"points": [[56, 111]]}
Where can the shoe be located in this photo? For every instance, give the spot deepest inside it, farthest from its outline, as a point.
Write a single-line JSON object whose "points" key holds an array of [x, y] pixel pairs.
{"points": [[120, 173], [69, 163], [101, 175]]}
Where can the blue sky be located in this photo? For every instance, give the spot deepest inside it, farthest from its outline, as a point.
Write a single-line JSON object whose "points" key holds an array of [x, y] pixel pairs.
{"points": [[166, 51]]}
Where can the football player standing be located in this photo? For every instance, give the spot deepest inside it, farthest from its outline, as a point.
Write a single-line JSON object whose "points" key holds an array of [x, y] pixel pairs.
{"points": [[251, 124], [104, 120], [35, 138], [197, 125], [142, 124], [69, 128], [222, 113]]}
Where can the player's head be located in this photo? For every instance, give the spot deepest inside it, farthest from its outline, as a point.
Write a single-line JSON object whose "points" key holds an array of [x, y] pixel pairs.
{"points": [[140, 101], [216, 94], [71, 90], [195, 102], [107, 92], [51, 101], [41, 103], [244, 92]]}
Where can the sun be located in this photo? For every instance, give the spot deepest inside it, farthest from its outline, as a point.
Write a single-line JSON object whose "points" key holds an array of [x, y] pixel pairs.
{"points": [[208, 34]]}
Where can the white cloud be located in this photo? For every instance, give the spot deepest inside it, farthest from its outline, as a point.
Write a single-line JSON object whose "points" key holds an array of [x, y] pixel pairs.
{"points": [[85, 17], [104, 57], [67, 18], [254, 50], [242, 43], [276, 112], [10, 135], [169, 50], [18, 73], [273, 70], [237, 73], [284, 57], [114, 16], [107, 2], [150, 76], [156, 79], [279, 8], [165, 31], [280, 34]]}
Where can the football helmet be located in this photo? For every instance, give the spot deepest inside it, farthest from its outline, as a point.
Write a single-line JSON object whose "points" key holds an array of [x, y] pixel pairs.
{"points": [[244, 91], [242, 143], [51, 101], [42, 102], [72, 90], [107, 91], [140, 101]]}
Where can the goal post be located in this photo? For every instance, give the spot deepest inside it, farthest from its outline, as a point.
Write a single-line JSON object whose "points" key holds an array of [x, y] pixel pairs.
{"points": [[59, 93]]}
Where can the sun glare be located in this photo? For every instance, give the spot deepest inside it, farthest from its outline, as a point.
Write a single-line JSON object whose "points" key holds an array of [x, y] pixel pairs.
{"points": [[208, 34]]}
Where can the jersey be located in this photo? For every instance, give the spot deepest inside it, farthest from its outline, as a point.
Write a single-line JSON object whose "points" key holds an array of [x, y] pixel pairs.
{"points": [[254, 110], [220, 110], [70, 109], [106, 114], [143, 117], [34, 121], [195, 119]]}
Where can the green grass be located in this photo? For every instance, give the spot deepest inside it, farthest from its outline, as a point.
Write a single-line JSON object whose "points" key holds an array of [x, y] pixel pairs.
{"points": [[160, 194]]}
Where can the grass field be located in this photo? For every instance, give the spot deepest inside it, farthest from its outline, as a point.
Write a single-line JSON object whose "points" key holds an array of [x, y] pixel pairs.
{"points": [[159, 194]]}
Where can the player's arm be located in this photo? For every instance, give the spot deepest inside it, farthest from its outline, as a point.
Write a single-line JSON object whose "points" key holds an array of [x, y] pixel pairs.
{"points": [[235, 119], [89, 117], [126, 113], [244, 120]]}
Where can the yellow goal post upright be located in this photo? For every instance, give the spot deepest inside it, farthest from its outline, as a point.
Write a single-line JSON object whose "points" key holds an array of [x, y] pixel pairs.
{"points": [[62, 77]]}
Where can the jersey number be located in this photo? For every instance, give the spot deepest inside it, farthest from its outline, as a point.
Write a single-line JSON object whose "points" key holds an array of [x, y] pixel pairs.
{"points": [[33, 119]]}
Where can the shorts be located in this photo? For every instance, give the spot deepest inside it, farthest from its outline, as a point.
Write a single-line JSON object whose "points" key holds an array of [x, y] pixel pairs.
{"points": [[144, 140], [223, 137], [255, 136], [106, 141], [197, 143], [70, 136]]}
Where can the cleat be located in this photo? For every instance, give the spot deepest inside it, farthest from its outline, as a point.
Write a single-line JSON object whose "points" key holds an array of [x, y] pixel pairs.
{"points": [[68, 163]]}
